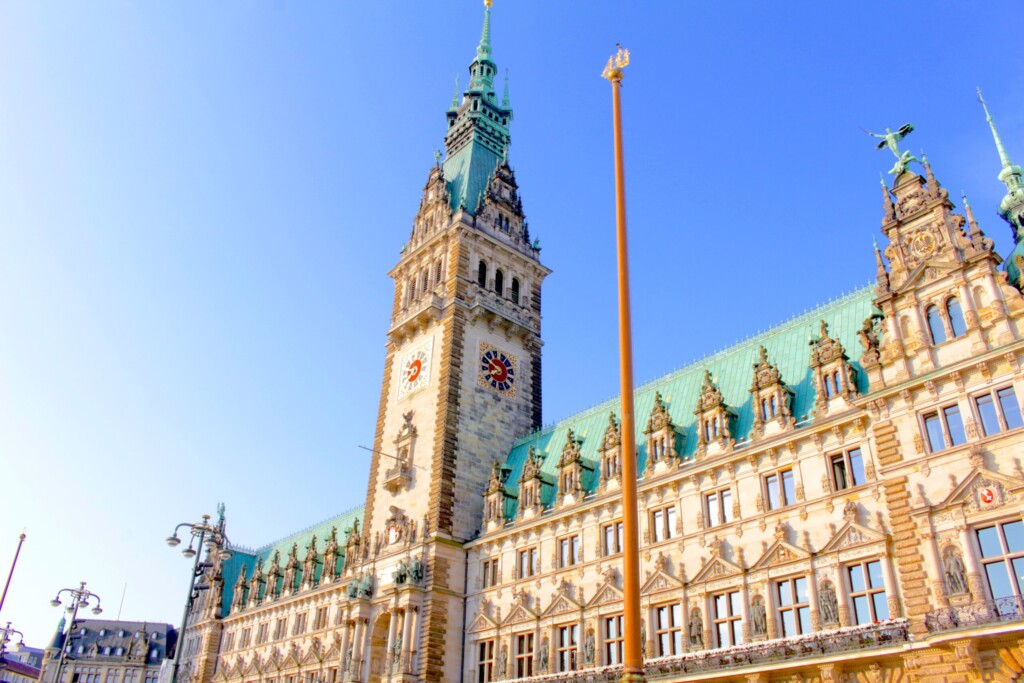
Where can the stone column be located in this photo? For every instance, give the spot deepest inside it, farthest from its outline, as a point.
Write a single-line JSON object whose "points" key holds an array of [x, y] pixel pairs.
{"points": [[407, 640], [971, 563], [812, 598], [1002, 328], [392, 630], [978, 344], [934, 568], [745, 611], [346, 638], [892, 597], [358, 647]]}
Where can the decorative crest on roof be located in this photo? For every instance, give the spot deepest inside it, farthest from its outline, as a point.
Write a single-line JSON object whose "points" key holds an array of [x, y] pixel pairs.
{"points": [[531, 468], [660, 418], [765, 374], [571, 449], [612, 434]]}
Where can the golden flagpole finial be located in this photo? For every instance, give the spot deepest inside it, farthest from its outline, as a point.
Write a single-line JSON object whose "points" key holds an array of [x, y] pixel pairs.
{"points": [[616, 63], [488, 3]]}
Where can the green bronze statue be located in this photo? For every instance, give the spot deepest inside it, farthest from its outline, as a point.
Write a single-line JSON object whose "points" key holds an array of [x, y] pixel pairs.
{"points": [[889, 139]]}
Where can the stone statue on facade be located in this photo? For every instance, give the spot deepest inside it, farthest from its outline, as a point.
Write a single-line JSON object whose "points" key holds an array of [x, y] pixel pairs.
{"points": [[956, 574], [542, 660], [502, 663], [291, 569], [400, 574], [889, 139], [309, 565], [696, 629], [829, 603], [396, 653], [273, 575], [589, 648], [330, 557], [416, 571], [758, 617]]}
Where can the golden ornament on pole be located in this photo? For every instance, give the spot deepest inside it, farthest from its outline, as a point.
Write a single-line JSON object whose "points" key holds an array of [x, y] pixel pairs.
{"points": [[632, 660]]}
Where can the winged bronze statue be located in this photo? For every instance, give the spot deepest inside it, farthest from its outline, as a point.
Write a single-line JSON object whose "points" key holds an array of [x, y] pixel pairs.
{"points": [[889, 139]]}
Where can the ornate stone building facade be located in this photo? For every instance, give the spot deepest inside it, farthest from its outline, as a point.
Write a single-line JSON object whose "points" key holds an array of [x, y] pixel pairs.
{"points": [[837, 499], [109, 651]]}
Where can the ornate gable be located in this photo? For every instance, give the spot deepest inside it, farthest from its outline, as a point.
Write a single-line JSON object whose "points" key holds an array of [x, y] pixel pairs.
{"points": [[661, 435], [984, 490], [851, 535], [494, 496], [520, 614], [530, 482], [610, 449], [606, 593], [561, 604], [714, 418], [570, 468], [483, 623], [771, 397], [834, 377], [716, 568], [780, 552]]}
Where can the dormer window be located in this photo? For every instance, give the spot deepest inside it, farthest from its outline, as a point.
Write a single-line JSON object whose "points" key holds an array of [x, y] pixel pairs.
{"points": [[714, 417], [831, 369], [770, 393]]}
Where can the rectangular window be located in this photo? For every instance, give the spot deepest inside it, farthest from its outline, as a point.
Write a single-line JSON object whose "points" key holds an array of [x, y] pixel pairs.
{"points": [[321, 619], [229, 642], [489, 573], [280, 628], [998, 411], [568, 551], [300, 624], [867, 592], [793, 606], [944, 428], [718, 506], [243, 641], [612, 535], [663, 524], [613, 640], [728, 619], [527, 563], [1002, 558], [524, 655], [568, 638], [781, 489], [668, 629], [261, 634], [485, 661], [848, 469]]}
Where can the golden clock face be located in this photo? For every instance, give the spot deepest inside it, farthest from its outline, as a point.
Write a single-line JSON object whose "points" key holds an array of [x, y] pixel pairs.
{"points": [[497, 370], [923, 245], [414, 369]]}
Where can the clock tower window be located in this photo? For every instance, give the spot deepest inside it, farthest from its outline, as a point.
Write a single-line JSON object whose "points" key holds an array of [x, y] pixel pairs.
{"points": [[935, 325], [481, 273], [956, 318], [499, 282], [515, 290]]}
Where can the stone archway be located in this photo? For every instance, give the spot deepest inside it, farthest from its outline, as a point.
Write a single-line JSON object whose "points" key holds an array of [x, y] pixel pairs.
{"points": [[379, 649]]}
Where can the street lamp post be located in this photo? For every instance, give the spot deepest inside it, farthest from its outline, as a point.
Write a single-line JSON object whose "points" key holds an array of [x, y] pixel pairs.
{"points": [[215, 539], [5, 637], [80, 597]]}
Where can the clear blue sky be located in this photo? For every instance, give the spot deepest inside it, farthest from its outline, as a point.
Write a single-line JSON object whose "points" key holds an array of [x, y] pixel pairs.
{"points": [[199, 202]]}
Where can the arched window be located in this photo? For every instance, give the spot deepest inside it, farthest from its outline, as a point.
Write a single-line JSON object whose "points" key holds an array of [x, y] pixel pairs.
{"points": [[481, 273], [499, 282], [956, 318], [774, 407], [935, 325], [830, 390], [764, 409], [515, 289], [838, 381]]}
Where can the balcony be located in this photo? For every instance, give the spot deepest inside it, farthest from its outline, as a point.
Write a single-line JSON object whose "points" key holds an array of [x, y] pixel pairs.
{"points": [[976, 614], [397, 477], [825, 643]]}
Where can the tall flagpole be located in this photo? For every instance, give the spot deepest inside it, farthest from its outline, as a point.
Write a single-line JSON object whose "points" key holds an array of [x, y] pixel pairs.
{"points": [[14, 563], [633, 663]]}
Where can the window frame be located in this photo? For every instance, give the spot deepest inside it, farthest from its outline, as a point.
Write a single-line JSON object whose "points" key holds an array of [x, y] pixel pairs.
{"points": [[994, 395], [663, 523], [869, 591], [846, 459], [527, 562], [779, 476], [523, 666], [798, 608], [671, 630], [569, 550], [613, 637], [616, 538], [490, 575], [718, 512], [485, 660], [567, 653], [731, 621], [941, 414], [1007, 557]]}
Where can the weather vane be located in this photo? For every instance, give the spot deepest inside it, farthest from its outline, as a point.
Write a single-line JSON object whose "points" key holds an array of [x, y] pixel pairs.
{"points": [[889, 140], [613, 70]]}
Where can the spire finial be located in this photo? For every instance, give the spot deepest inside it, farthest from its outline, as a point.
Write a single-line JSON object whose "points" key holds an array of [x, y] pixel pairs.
{"points": [[483, 51], [1003, 156], [455, 95]]}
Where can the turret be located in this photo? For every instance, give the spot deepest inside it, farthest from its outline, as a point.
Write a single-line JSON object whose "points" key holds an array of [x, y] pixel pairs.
{"points": [[1011, 209]]}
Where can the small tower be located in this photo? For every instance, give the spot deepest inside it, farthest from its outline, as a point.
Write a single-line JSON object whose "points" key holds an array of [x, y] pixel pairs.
{"points": [[1011, 209]]}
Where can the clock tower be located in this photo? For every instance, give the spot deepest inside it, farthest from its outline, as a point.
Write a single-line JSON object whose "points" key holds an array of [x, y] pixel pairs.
{"points": [[462, 374]]}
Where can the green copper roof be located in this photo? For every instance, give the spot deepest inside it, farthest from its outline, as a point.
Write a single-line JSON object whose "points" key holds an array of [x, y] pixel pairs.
{"points": [[731, 370], [249, 557], [478, 135]]}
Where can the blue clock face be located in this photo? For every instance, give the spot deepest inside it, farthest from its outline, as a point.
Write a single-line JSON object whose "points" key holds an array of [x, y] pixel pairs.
{"points": [[497, 370]]}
